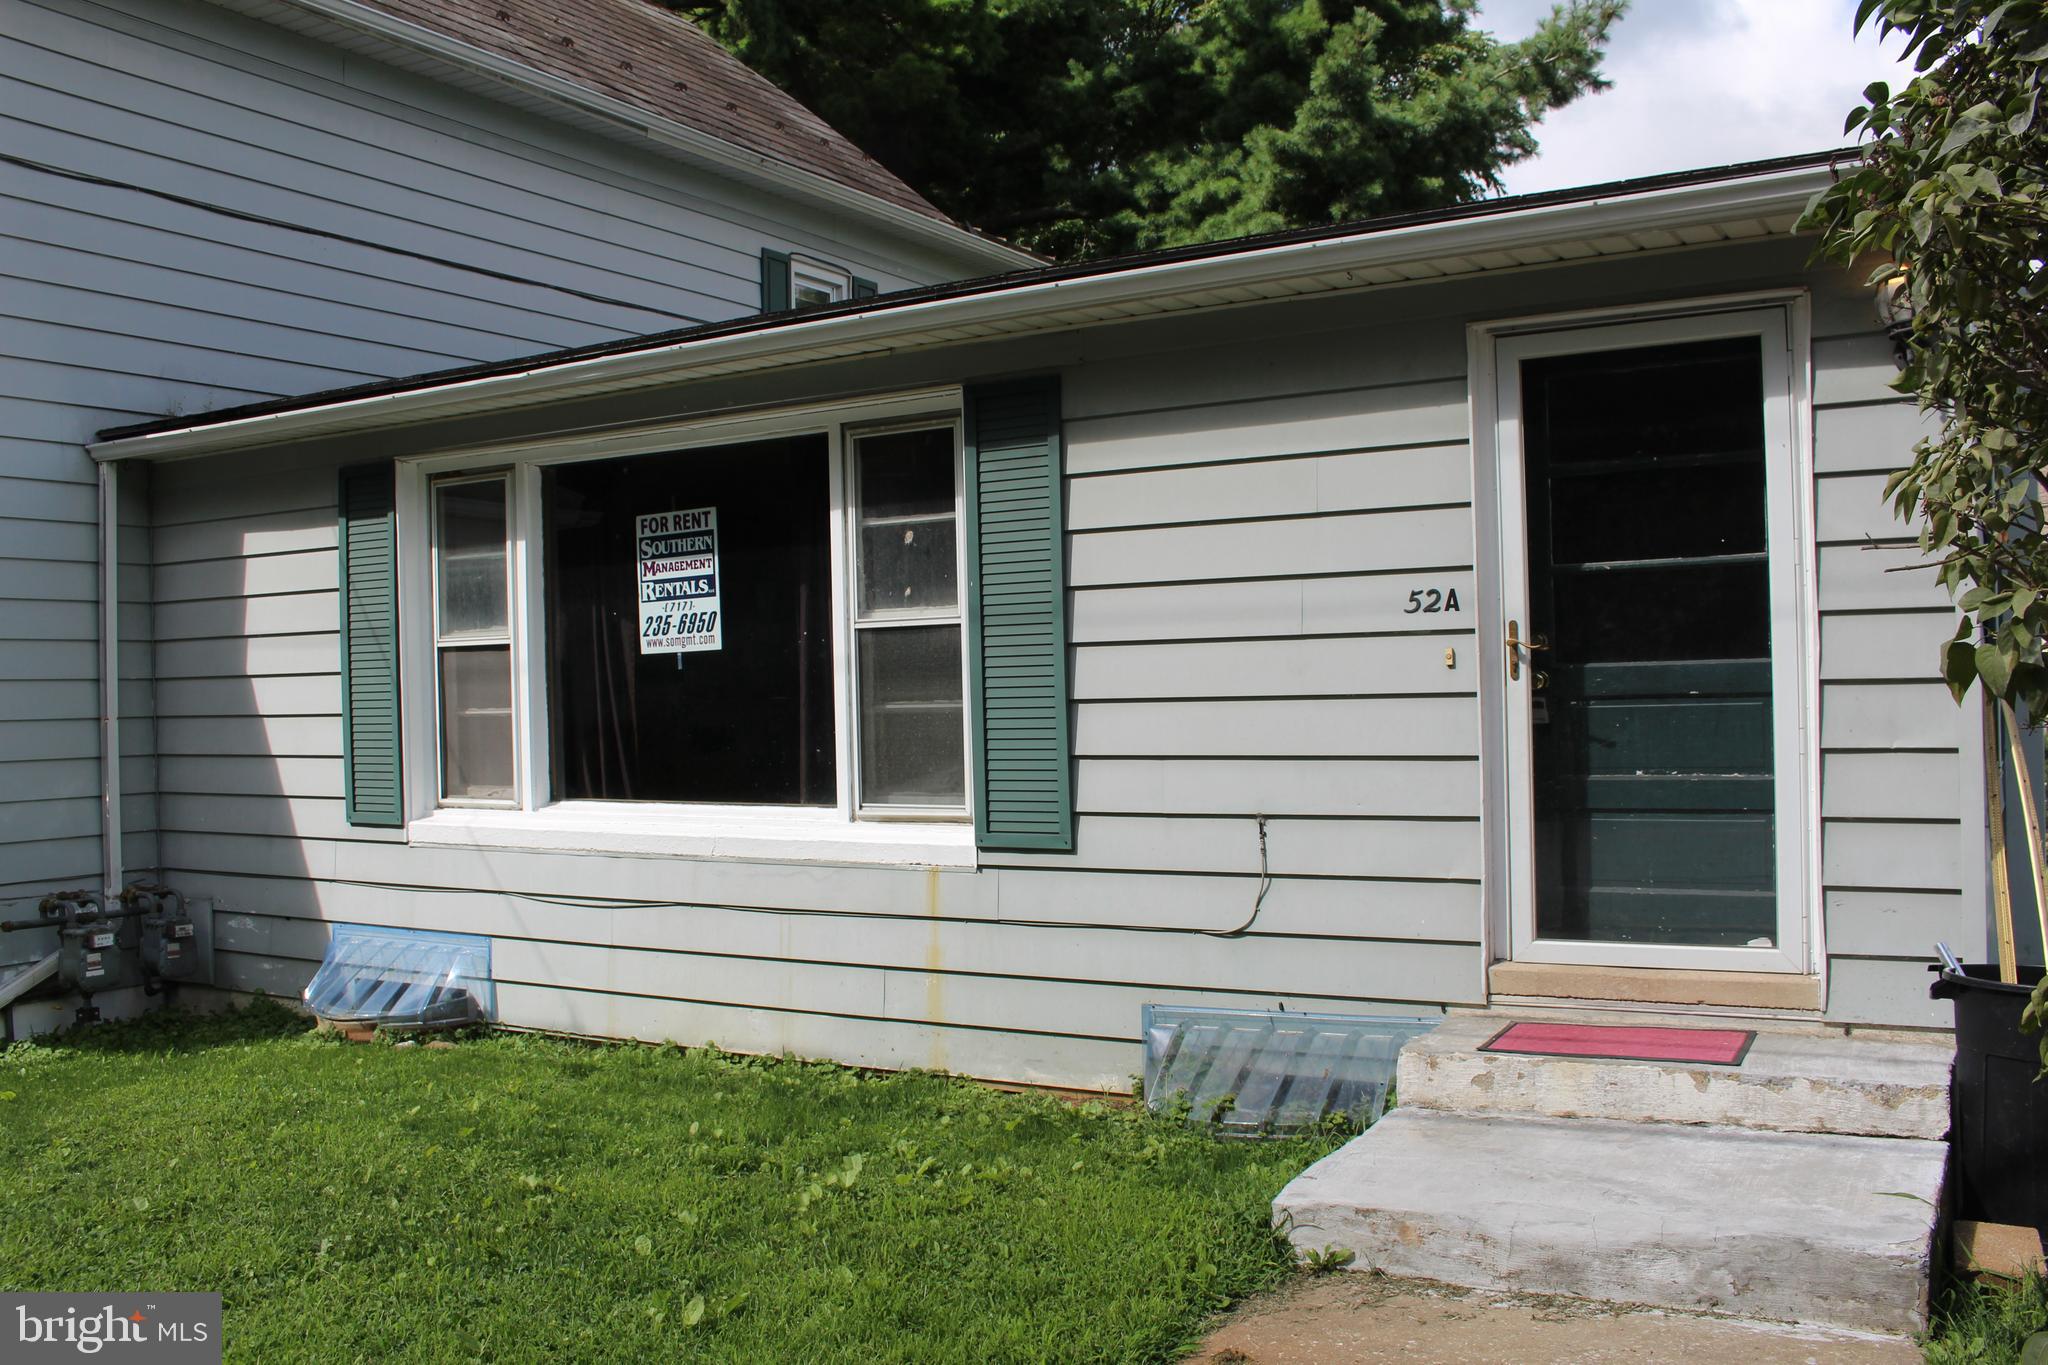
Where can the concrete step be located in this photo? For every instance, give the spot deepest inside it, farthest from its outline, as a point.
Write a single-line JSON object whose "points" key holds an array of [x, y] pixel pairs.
{"points": [[1794, 1227], [1793, 1080]]}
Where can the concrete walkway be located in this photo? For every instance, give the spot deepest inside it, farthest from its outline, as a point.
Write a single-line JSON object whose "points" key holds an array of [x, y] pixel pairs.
{"points": [[1344, 1318]]}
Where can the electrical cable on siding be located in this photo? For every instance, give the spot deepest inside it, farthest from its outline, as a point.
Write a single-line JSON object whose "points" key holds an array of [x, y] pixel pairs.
{"points": [[1258, 901], [634, 903], [264, 221]]}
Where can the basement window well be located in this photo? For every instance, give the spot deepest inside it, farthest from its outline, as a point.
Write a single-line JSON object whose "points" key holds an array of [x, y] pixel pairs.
{"points": [[402, 979], [1250, 1073]]}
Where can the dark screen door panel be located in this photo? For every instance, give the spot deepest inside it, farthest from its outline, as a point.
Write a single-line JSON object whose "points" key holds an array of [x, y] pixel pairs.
{"points": [[1651, 739]]}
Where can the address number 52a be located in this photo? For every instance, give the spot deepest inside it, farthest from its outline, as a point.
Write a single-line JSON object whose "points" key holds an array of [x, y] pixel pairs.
{"points": [[1431, 600]]}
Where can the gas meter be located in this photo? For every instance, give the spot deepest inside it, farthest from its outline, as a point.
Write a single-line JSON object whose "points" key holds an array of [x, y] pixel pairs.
{"points": [[89, 955], [167, 941]]}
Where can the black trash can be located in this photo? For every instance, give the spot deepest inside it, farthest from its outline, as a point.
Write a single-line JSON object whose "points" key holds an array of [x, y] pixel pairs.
{"points": [[2000, 1133]]}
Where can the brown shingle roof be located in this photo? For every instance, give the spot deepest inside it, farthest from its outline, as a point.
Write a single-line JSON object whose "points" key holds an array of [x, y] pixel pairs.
{"points": [[655, 59]]}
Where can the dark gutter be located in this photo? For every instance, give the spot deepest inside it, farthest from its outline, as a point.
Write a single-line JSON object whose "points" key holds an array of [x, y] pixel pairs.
{"points": [[987, 284]]}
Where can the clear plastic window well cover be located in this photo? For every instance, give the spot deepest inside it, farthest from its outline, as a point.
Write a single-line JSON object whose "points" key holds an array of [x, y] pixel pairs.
{"points": [[1278, 1071], [403, 979]]}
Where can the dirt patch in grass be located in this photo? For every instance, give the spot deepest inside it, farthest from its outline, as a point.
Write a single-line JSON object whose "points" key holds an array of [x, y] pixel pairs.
{"points": [[1360, 1317], [526, 1198]]}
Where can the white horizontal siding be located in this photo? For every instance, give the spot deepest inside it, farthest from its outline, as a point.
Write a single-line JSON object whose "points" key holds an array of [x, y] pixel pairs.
{"points": [[309, 571], [268, 533], [1284, 486], [1396, 665], [1885, 785], [1890, 989], [1370, 542], [1252, 786], [214, 617], [1344, 936], [1868, 438], [1264, 428], [1244, 648], [1882, 577], [1293, 727], [319, 695], [882, 982], [1317, 701], [1902, 646], [1901, 832], [1246, 609]]}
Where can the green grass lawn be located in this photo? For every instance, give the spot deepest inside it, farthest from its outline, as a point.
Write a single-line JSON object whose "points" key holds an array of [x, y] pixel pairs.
{"points": [[524, 1198]]}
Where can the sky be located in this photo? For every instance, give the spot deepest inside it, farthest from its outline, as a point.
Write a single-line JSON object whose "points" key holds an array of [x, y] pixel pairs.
{"points": [[1703, 83]]}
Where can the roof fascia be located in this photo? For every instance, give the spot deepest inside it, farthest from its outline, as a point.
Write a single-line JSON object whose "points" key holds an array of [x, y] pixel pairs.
{"points": [[876, 330], [692, 144]]}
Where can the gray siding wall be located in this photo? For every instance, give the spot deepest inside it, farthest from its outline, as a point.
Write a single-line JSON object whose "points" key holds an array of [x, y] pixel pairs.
{"points": [[1251, 496], [1902, 802], [117, 306]]}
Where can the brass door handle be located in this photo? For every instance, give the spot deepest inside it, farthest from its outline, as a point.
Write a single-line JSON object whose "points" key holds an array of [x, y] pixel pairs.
{"points": [[1515, 646]]}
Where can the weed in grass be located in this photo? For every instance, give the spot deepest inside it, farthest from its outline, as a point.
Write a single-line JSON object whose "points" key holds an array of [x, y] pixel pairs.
{"points": [[525, 1198], [1323, 1260], [1987, 1322]]}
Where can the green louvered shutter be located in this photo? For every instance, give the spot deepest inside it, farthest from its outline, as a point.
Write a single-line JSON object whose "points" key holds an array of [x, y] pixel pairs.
{"points": [[864, 289], [1017, 632], [774, 281], [369, 647]]}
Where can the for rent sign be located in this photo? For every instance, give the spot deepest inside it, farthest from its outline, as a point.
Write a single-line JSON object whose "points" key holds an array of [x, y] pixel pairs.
{"points": [[678, 567]]}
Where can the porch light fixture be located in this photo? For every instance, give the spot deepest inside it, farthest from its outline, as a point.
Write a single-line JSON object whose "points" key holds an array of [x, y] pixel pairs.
{"points": [[1894, 303]]}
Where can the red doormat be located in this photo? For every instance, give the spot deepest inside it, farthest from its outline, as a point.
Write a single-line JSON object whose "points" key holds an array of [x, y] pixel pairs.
{"points": [[1625, 1043]]}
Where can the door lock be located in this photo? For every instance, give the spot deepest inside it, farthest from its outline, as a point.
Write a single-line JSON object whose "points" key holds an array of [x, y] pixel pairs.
{"points": [[1516, 646]]}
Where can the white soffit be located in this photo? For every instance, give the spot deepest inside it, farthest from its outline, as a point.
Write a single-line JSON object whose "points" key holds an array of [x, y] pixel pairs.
{"points": [[1628, 223]]}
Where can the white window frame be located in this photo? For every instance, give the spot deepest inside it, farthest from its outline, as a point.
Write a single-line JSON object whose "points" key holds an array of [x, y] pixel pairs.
{"points": [[835, 281], [852, 436], [841, 832], [487, 640]]}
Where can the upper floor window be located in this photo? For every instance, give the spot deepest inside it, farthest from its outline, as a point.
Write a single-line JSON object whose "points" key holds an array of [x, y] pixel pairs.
{"points": [[795, 281], [813, 284]]}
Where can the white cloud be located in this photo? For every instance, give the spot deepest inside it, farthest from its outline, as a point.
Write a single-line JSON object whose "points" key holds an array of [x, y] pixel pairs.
{"points": [[1703, 83]]}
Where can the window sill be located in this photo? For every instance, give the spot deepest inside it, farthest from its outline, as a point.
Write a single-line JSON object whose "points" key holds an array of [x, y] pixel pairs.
{"points": [[725, 832]]}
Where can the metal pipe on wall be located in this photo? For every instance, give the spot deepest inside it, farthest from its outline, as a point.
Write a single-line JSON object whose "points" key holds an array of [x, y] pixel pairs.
{"points": [[110, 678]]}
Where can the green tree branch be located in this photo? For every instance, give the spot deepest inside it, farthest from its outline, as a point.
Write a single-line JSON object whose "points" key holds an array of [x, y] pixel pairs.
{"points": [[1089, 127]]}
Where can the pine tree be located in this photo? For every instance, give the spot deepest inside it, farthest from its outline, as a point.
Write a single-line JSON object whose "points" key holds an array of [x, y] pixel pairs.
{"points": [[1082, 128]]}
